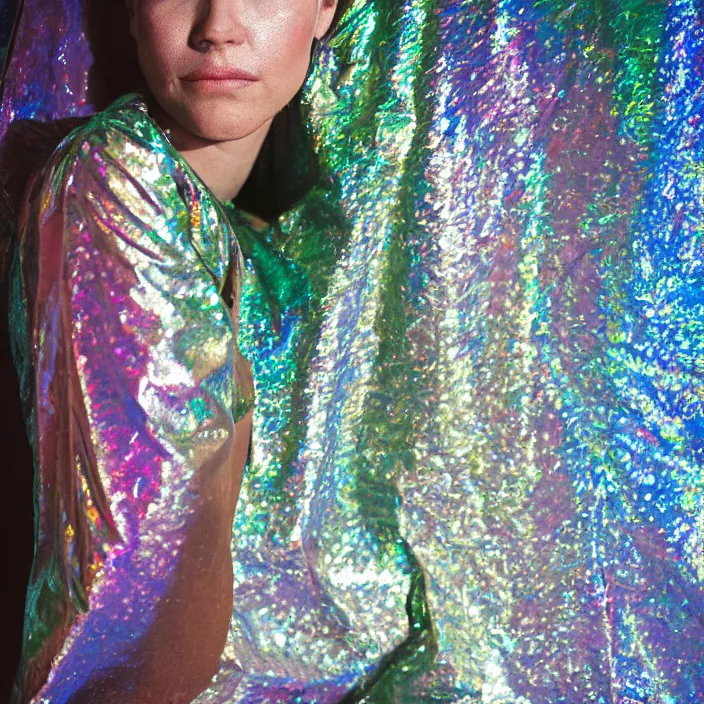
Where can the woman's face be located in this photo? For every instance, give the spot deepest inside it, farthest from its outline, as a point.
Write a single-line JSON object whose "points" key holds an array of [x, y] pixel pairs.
{"points": [[222, 69]]}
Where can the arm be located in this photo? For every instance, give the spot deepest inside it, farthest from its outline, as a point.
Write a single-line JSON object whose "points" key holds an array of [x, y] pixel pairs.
{"points": [[133, 356]]}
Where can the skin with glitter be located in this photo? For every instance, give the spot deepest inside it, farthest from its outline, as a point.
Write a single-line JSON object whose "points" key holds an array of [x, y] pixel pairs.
{"points": [[477, 467]]}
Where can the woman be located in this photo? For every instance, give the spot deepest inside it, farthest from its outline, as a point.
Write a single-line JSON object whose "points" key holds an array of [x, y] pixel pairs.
{"points": [[126, 289]]}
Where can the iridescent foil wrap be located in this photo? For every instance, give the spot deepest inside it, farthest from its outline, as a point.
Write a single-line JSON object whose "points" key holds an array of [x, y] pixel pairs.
{"points": [[46, 70], [132, 385], [477, 455]]}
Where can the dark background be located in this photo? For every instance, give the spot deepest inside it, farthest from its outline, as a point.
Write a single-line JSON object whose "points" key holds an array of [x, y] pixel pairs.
{"points": [[16, 511], [8, 10], [16, 522]]}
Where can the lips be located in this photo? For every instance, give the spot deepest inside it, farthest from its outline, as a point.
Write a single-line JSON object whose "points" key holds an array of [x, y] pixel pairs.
{"points": [[219, 73]]}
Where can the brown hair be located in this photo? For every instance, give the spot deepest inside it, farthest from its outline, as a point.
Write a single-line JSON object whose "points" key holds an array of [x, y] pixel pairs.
{"points": [[286, 168]]}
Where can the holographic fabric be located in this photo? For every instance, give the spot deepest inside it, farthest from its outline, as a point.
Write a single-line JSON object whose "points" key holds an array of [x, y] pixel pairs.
{"points": [[476, 470], [132, 382]]}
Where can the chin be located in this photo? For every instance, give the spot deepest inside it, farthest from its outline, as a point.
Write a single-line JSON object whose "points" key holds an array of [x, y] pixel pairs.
{"points": [[221, 121]]}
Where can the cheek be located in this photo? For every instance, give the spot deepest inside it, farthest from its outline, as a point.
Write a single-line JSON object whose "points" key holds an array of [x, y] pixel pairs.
{"points": [[284, 44], [161, 35]]}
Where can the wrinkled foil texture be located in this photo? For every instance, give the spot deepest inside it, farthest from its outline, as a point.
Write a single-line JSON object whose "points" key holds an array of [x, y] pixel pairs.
{"points": [[477, 455]]}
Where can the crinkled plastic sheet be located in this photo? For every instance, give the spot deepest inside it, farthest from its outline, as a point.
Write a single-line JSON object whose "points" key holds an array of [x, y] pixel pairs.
{"points": [[478, 452]]}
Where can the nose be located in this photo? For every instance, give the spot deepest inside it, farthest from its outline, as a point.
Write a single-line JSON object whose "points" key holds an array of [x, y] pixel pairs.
{"points": [[219, 22]]}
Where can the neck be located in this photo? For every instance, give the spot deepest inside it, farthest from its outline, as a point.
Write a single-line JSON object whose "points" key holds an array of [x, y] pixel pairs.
{"points": [[223, 166]]}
